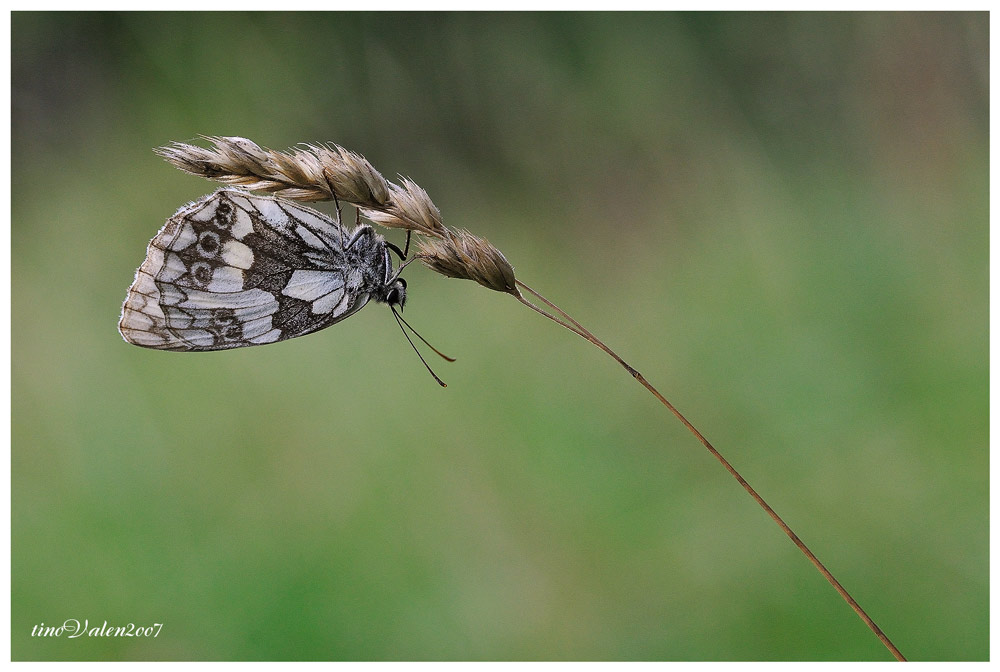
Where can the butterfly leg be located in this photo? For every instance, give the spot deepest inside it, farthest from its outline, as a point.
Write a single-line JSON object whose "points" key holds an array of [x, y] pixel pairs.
{"points": [[336, 203], [362, 233], [402, 253]]}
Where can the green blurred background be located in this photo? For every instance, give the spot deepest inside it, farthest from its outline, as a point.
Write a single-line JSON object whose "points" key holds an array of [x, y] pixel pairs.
{"points": [[780, 219]]}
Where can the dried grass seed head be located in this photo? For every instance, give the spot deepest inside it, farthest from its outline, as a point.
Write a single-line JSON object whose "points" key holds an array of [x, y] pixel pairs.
{"points": [[462, 255], [314, 173], [239, 161], [409, 208], [352, 177]]}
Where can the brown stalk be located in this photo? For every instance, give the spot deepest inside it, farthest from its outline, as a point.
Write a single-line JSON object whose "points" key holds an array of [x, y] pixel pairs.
{"points": [[460, 254], [577, 328]]}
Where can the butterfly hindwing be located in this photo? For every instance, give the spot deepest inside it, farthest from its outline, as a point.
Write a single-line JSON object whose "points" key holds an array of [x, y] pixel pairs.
{"points": [[235, 269]]}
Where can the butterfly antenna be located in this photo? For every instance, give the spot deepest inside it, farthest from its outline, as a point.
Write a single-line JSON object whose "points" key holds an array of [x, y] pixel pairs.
{"points": [[400, 322], [417, 334]]}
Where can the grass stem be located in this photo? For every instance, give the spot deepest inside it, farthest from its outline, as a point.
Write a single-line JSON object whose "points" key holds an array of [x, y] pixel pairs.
{"points": [[577, 328]]}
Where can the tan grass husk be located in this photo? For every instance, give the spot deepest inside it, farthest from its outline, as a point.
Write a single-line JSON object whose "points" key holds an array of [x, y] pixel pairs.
{"points": [[308, 173], [463, 255]]}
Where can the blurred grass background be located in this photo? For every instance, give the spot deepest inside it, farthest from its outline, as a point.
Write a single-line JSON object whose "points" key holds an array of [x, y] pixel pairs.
{"points": [[780, 219]]}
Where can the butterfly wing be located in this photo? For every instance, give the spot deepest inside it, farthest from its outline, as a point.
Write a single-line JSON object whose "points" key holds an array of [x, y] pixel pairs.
{"points": [[234, 269]]}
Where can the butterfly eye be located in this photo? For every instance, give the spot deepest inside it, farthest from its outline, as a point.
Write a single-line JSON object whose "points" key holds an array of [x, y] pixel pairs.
{"points": [[397, 294]]}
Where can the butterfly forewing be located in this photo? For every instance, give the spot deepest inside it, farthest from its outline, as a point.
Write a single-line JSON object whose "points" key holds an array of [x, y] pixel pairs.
{"points": [[235, 269]]}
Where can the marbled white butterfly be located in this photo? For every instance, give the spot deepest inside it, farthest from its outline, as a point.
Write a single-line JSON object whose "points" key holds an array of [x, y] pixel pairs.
{"points": [[234, 269]]}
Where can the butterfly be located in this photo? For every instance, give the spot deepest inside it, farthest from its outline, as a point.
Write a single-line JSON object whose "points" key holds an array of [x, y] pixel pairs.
{"points": [[235, 269]]}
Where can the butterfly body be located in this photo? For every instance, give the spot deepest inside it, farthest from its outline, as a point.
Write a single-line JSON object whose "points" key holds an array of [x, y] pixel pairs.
{"points": [[235, 269]]}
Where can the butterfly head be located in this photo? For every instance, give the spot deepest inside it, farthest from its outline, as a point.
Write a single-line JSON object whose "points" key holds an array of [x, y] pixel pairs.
{"points": [[395, 293]]}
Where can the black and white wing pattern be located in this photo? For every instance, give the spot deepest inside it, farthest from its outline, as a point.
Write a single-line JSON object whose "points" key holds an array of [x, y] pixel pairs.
{"points": [[234, 269]]}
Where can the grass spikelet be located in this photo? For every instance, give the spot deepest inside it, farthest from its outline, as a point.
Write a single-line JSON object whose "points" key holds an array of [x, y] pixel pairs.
{"points": [[463, 255], [352, 177], [241, 162], [409, 208], [312, 173]]}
